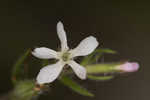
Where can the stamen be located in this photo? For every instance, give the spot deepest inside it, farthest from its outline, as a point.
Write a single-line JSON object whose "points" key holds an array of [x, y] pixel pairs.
{"points": [[65, 56]]}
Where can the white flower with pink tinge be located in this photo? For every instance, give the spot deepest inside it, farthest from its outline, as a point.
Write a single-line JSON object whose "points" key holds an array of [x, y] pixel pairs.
{"points": [[128, 67], [66, 56]]}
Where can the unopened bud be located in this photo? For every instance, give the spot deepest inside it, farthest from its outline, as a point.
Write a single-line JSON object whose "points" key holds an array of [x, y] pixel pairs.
{"points": [[128, 67]]}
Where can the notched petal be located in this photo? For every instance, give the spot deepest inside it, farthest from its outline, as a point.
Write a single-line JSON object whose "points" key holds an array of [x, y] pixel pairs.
{"points": [[62, 36], [44, 53], [49, 73], [79, 70], [86, 46]]}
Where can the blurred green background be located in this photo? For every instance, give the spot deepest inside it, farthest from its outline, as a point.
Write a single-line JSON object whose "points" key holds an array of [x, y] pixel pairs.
{"points": [[123, 26]]}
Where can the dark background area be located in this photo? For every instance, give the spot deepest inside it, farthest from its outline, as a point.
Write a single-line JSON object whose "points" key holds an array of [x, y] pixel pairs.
{"points": [[121, 26]]}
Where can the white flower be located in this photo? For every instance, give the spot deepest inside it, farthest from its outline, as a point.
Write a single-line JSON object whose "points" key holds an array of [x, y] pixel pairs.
{"points": [[50, 72]]}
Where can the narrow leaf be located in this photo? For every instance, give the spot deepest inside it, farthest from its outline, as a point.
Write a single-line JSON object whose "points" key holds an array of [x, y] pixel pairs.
{"points": [[106, 50], [24, 90], [100, 78], [45, 62], [75, 87], [92, 58], [18, 66], [99, 53], [86, 59]]}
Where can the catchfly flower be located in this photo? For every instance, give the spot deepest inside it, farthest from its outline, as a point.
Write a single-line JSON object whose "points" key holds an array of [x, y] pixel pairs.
{"points": [[65, 57]]}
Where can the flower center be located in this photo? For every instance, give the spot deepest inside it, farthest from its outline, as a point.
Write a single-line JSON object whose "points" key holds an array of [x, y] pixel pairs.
{"points": [[65, 56]]}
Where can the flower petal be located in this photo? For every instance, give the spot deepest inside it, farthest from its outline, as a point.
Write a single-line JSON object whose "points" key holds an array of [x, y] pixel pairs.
{"points": [[62, 36], [49, 73], [85, 47], [44, 53], [79, 70]]}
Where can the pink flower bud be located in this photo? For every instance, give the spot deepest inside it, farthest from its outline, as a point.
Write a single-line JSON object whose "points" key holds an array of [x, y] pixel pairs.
{"points": [[128, 67]]}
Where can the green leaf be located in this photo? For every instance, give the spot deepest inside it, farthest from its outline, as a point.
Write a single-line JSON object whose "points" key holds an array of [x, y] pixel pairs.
{"points": [[100, 78], [87, 59], [106, 50], [24, 90], [18, 69], [75, 87], [45, 62], [100, 52], [93, 57]]}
